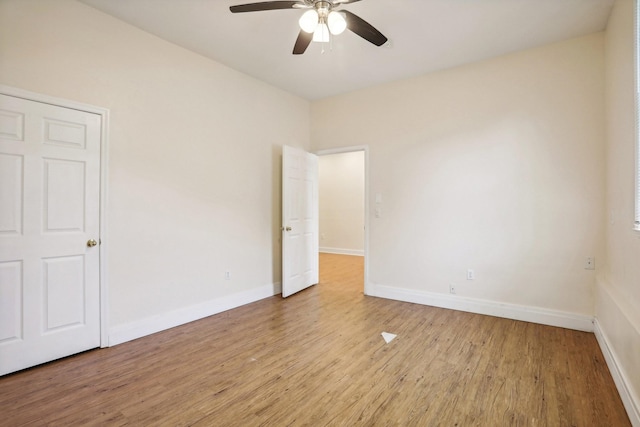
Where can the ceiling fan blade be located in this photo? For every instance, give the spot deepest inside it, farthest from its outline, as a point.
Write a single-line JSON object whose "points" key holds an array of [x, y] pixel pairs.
{"points": [[340, 2], [265, 5], [302, 42], [364, 29]]}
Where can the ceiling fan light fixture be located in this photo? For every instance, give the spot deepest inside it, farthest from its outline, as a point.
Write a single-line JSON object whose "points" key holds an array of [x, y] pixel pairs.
{"points": [[320, 22], [337, 23], [309, 21], [321, 34]]}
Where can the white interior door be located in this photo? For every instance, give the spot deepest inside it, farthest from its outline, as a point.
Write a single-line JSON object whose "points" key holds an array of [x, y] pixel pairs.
{"points": [[299, 220], [49, 220]]}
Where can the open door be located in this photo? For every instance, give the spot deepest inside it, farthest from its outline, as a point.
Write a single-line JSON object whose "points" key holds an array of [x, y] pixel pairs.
{"points": [[299, 220]]}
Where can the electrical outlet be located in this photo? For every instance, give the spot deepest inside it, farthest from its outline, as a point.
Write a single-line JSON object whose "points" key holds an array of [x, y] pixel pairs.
{"points": [[470, 274], [227, 275], [452, 288], [590, 263]]}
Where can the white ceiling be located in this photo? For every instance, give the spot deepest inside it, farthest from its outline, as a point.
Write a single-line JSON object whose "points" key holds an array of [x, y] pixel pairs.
{"points": [[424, 36]]}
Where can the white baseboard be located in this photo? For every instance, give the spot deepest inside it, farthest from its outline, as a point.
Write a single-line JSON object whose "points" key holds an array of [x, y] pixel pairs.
{"points": [[630, 402], [151, 325], [341, 251], [542, 316]]}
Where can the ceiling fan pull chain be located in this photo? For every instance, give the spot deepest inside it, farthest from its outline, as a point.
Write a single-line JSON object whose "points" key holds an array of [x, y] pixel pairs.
{"points": [[323, 44]]}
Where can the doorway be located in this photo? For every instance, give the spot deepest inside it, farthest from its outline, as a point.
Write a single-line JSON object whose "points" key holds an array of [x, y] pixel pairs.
{"points": [[343, 217]]}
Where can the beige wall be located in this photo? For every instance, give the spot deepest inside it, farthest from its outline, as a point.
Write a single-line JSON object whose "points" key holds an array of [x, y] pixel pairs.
{"points": [[618, 303], [194, 152], [496, 166], [341, 191]]}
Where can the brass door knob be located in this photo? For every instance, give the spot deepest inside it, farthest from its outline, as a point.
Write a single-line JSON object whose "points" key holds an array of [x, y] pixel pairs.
{"points": [[91, 243], [288, 229]]}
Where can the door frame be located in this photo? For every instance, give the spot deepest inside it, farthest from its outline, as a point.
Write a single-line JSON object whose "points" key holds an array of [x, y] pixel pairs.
{"points": [[356, 148], [104, 142]]}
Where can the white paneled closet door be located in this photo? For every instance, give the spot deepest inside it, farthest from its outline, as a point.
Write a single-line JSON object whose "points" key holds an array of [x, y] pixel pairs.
{"points": [[49, 232]]}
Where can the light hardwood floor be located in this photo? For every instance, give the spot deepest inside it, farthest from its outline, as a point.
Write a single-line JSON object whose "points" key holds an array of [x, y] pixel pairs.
{"points": [[318, 359]]}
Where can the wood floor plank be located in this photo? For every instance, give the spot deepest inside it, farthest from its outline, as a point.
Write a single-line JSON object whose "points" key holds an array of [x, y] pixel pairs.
{"points": [[318, 359]]}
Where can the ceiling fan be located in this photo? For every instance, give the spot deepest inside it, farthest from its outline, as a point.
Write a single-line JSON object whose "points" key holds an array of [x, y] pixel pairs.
{"points": [[322, 19]]}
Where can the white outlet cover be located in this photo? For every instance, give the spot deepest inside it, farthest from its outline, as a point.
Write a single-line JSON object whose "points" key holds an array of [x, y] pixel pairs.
{"points": [[388, 337]]}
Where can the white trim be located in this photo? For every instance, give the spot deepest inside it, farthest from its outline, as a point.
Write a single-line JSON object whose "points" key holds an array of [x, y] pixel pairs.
{"points": [[341, 150], [367, 222], [352, 149], [636, 224], [341, 251], [46, 99], [104, 240], [104, 168], [631, 403], [141, 328], [539, 315]]}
